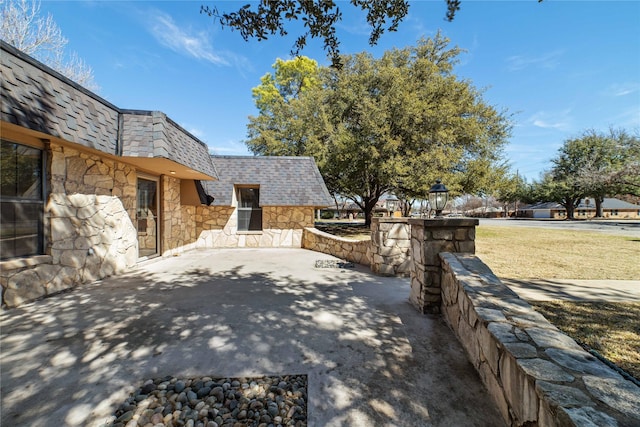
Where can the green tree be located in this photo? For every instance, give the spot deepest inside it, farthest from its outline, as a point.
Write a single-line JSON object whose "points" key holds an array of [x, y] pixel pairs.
{"points": [[398, 122], [613, 165], [281, 126], [319, 19], [600, 156], [594, 164], [558, 187], [511, 189], [564, 183]]}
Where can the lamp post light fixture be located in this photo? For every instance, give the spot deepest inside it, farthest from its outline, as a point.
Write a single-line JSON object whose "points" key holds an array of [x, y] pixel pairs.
{"points": [[438, 197], [391, 203]]}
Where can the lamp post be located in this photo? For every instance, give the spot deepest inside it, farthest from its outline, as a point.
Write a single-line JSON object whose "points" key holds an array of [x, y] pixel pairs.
{"points": [[438, 197], [391, 204]]}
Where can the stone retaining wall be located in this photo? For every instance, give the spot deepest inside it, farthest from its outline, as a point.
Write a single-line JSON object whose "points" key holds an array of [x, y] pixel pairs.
{"points": [[352, 250], [282, 227], [391, 247], [537, 375]]}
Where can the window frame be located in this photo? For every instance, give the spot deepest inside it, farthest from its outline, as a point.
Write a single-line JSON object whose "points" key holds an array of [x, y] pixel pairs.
{"points": [[254, 221], [15, 201]]}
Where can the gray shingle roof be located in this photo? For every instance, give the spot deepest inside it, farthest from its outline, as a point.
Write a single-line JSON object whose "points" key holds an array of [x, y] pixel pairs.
{"points": [[153, 134], [36, 97], [283, 181], [608, 203]]}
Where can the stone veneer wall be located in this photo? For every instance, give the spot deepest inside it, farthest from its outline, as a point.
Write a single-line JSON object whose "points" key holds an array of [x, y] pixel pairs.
{"points": [[358, 251], [391, 247], [87, 226], [537, 375], [178, 227], [429, 237], [282, 226]]}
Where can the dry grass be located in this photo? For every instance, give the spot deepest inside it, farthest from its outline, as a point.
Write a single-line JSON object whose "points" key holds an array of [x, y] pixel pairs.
{"points": [[350, 230], [539, 253], [612, 329]]}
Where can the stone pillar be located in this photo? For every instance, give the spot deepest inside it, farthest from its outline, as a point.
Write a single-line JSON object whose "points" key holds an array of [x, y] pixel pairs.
{"points": [[429, 237]]}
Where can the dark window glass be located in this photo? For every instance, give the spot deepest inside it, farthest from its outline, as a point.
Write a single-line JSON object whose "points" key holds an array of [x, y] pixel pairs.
{"points": [[249, 211], [21, 201]]}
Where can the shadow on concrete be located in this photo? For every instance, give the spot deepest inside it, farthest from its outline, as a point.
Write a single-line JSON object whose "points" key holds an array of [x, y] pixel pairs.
{"points": [[371, 359]]}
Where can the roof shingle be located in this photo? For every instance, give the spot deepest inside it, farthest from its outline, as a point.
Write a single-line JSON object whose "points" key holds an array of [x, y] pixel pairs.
{"points": [[283, 181]]}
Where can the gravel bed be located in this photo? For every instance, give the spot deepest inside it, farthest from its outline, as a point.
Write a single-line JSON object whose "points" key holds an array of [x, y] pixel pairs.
{"points": [[331, 263], [214, 402]]}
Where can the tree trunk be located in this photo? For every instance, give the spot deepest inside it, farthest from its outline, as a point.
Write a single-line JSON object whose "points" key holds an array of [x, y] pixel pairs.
{"points": [[570, 207], [369, 204], [599, 200], [367, 218]]}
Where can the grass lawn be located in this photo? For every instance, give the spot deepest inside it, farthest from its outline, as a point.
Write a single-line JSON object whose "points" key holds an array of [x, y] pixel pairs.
{"points": [[610, 328], [541, 253]]}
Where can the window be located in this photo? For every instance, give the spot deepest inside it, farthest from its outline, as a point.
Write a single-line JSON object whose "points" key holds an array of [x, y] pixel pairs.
{"points": [[21, 200], [249, 211]]}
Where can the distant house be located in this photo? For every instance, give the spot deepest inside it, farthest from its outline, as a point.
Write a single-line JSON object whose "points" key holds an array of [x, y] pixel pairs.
{"points": [[344, 210], [611, 207], [263, 201]]}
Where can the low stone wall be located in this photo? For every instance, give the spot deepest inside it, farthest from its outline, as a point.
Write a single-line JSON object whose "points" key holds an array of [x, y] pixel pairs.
{"points": [[282, 228], [352, 250], [537, 375], [391, 247], [92, 237], [87, 226]]}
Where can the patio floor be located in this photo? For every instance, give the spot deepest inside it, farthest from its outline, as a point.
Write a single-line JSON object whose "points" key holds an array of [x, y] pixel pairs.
{"points": [[371, 359]]}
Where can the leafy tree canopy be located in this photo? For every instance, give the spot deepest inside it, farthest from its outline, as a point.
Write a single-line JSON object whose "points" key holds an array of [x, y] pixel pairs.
{"points": [[395, 123], [318, 17], [594, 164]]}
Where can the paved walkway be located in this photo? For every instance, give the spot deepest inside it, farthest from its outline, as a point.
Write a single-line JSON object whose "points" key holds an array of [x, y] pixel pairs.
{"points": [[371, 359], [576, 290]]}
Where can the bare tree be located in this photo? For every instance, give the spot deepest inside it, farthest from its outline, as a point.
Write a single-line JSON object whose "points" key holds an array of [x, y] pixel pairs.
{"points": [[23, 27]]}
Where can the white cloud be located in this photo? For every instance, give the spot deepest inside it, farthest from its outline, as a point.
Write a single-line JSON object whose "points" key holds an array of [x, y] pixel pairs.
{"points": [[230, 147], [182, 40], [547, 60], [622, 89], [559, 120]]}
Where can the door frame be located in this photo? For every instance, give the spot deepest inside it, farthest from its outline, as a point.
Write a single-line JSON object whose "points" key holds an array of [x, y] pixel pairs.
{"points": [[158, 219]]}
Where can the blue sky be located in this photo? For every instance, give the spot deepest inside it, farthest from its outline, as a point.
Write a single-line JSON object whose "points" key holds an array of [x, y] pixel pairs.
{"points": [[558, 67]]}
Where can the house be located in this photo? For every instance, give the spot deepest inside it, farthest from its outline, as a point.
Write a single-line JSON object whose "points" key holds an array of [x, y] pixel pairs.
{"points": [[263, 201], [611, 207], [89, 189]]}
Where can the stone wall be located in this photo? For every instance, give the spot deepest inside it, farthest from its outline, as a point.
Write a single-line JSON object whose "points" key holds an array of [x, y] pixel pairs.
{"points": [[282, 226], [537, 375], [390, 247], [429, 237], [358, 251], [178, 226], [87, 225]]}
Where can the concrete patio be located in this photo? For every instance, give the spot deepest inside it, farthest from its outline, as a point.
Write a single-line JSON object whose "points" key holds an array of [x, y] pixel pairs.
{"points": [[371, 359]]}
